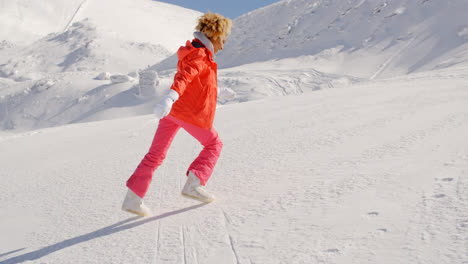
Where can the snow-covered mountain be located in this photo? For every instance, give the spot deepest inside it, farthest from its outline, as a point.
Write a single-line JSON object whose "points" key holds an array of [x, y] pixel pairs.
{"points": [[80, 48], [50, 56], [102, 35], [63, 77], [143, 21], [365, 38], [373, 171], [23, 22], [83, 61]]}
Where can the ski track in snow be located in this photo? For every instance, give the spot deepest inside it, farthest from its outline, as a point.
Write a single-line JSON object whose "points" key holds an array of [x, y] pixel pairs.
{"points": [[78, 10], [374, 173], [391, 58]]}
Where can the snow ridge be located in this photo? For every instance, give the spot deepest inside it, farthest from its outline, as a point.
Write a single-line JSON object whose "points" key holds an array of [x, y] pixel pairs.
{"points": [[399, 37], [80, 8]]}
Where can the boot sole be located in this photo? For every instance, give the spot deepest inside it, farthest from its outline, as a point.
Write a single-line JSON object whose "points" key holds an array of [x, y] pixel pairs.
{"points": [[198, 199], [135, 212]]}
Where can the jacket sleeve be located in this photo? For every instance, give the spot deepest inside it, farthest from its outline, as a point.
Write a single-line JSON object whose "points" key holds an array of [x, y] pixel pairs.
{"points": [[188, 68]]}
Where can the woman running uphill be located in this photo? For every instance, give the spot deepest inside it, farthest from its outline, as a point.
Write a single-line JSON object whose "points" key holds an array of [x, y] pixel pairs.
{"points": [[190, 104]]}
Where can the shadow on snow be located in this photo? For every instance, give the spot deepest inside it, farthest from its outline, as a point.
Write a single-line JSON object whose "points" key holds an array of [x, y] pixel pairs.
{"points": [[118, 227]]}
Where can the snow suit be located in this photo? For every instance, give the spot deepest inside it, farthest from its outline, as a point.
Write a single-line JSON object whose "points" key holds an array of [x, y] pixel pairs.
{"points": [[196, 84]]}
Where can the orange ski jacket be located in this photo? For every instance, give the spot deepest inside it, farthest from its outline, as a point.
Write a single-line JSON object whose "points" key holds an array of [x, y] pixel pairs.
{"points": [[197, 85]]}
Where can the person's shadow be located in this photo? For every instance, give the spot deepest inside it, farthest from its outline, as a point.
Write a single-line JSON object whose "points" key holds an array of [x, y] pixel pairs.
{"points": [[120, 226]]}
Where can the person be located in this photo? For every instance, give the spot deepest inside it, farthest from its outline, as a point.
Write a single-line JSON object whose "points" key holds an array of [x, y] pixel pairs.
{"points": [[190, 104]]}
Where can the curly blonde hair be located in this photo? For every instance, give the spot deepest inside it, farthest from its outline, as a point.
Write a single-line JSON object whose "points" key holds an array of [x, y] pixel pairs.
{"points": [[214, 25]]}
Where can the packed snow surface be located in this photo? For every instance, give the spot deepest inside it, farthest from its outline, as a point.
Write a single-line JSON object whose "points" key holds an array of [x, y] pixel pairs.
{"points": [[345, 141], [373, 173]]}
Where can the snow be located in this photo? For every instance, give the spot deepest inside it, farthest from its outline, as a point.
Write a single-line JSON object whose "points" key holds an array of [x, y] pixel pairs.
{"points": [[360, 43], [24, 21], [90, 42], [345, 141], [400, 37], [375, 173]]}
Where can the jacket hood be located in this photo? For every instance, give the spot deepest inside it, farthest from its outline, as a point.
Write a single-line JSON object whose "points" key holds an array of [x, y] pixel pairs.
{"points": [[189, 48]]}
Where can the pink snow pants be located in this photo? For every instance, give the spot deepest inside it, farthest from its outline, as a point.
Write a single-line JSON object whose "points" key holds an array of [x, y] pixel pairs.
{"points": [[202, 167]]}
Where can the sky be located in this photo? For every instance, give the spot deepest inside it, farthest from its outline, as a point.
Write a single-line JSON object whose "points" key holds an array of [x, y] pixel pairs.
{"points": [[231, 9]]}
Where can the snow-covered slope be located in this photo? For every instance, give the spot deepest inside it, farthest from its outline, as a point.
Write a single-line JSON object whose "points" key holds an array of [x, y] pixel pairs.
{"points": [[23, 21], [71, 97], [80, 48], [290, 47], [52, 80], [364, 38], [374, 173], [142, 21], [117, 35]]}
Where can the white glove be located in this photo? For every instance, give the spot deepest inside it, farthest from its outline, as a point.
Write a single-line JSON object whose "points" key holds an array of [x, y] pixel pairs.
{"points": [[164, 106], [226, 93]]}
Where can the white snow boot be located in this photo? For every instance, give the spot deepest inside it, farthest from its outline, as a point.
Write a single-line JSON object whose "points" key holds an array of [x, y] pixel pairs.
{"points": [[134, 204], [195, 190]]}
